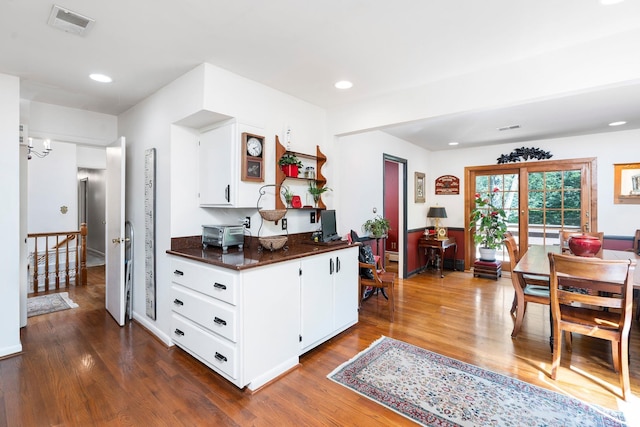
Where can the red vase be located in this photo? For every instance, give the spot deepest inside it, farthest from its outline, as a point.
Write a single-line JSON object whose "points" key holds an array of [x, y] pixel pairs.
{"points": [[290, 170], [583, 245]]}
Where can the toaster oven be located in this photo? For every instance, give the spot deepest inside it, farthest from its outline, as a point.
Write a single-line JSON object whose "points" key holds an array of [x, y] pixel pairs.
{"points": [[223, 236]]}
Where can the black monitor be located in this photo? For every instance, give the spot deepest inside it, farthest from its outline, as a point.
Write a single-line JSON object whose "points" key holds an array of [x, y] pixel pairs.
{"points": [[328, 225]]}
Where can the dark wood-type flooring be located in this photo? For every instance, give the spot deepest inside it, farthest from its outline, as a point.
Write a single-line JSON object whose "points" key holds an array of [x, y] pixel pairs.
{"points": [[78, 368]]}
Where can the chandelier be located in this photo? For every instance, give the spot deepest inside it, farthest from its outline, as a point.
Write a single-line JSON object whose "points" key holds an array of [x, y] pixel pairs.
{"points": [[45, 150]]}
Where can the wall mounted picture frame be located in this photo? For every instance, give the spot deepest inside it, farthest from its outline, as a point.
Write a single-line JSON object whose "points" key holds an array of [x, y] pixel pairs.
{"points": [[626, 183], [419, 187]]}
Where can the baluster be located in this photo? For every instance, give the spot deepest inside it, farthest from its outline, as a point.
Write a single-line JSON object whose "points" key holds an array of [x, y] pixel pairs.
{"points": [[57, 262], [83, 261], [35, 266], [46, 263]]}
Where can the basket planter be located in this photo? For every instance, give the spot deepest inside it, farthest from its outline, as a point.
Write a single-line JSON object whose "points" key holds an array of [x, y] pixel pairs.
{"points": [[290, 170]]}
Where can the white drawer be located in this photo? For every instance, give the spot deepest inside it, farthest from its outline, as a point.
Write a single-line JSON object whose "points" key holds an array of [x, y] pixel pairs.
{"points": [[210, 313], [216, 352], [211, 281]]}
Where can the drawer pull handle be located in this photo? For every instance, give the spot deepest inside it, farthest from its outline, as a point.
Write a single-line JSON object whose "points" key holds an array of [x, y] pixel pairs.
{"points": [[219, 286], [219, 321], [178, 273], [220, 357], [178, 332], [177, 302]]}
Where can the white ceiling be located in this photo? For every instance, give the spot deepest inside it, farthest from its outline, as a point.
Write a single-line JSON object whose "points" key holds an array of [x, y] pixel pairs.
{"points": [[303, 47]]}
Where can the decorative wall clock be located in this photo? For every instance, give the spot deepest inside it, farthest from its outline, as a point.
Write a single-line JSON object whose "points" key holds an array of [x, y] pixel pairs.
{"points": [[252, 157]]}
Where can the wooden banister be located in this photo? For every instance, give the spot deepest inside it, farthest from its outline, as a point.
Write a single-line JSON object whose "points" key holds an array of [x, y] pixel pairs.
{"points": [[61, 247]]}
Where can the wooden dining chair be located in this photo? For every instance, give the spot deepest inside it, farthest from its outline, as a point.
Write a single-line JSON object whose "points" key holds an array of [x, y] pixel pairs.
{"points": [[377, 278], [591, 296], [565, 234], [527, 288]]}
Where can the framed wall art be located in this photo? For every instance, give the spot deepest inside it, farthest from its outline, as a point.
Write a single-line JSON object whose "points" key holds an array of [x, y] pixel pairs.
{"points": [[626, 183], [419, 188]]}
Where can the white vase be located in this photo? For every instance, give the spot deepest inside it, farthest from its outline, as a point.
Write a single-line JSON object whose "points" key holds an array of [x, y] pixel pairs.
{"points": [[487, 254]]}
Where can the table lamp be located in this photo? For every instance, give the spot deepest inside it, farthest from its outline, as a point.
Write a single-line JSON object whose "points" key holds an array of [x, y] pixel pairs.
{"points": [[438, 212]]}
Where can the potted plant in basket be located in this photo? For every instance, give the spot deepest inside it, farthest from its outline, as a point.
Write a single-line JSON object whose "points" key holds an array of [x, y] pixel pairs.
{"points": [[290, 164], [377, 227], [316, 191], [490, 224]]}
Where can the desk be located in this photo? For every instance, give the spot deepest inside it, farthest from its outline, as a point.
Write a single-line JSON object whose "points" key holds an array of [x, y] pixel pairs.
{"points": [[441, 246]]}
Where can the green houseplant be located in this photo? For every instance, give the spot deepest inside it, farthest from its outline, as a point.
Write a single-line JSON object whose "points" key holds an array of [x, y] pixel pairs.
{"points": [[290, 164], [316, 192], [287, 194], [489, 221], [377, 227]]}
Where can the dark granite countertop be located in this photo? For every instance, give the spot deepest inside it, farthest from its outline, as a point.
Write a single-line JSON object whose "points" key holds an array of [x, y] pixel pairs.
{"points": [[252, 255]]}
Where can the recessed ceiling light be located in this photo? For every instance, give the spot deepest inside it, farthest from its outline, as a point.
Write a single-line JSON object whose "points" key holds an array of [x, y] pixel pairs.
{"points": [[102, 78], [344, 84], [454, 143], [620, 123]]}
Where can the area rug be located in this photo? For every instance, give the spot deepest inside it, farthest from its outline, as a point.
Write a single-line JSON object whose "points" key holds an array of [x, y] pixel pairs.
{"points": [[434, 390], [50, 303]]}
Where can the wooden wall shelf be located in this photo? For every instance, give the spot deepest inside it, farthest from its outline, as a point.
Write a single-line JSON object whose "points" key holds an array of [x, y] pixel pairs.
{"points": [[320, 179]]}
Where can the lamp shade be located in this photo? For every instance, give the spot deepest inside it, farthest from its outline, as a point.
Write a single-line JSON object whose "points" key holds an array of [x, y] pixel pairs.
{"points": [[437, 212]]}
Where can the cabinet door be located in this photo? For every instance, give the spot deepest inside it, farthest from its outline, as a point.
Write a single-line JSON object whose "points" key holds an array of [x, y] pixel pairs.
{"points": [[216, 156], [345, 285], [316, 287]]}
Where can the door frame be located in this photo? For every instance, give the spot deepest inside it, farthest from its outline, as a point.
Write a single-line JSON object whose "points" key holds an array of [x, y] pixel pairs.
{"points": [[402, 210], [588, 166]]}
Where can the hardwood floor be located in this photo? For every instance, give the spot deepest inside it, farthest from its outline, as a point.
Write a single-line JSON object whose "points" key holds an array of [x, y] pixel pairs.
{"points": [[79, 368]]}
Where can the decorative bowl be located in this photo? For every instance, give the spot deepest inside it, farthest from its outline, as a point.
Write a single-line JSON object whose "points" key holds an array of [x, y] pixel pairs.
{"points": [[584, 245], [273, 243]]}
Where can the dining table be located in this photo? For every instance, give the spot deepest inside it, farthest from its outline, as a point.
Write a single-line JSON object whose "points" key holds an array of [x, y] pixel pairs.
{"points": [[535, 262]]}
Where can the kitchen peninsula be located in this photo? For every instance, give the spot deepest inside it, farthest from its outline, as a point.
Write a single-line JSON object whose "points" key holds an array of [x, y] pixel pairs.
{"points": [[249, 314]]}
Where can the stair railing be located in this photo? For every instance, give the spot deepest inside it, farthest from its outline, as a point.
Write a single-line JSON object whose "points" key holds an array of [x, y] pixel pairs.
{"points": [[64, 245]]}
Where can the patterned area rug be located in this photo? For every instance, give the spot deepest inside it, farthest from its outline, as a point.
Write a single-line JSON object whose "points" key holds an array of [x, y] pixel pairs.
{"points": [[50, 303], [434, 390]]}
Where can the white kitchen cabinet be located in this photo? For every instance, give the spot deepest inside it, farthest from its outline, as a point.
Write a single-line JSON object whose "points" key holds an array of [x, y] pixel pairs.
{"points": [[329, 296], [219, 163], [244, 325], [251, 325]]}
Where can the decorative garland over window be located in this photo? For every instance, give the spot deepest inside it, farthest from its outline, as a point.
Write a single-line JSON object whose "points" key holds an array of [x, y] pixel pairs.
{"points": [[525, 154]]}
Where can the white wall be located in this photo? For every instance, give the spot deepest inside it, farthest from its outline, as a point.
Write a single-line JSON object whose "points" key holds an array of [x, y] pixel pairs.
{"points": [[10, 250], [52, 184], [70, 124], [608, 148], [359, 181]]}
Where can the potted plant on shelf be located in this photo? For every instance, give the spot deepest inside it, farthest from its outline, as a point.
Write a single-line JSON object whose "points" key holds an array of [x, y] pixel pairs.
{"points": [[377, 227], [290, 164], [287, 194], [490, 224], [316, 192]]}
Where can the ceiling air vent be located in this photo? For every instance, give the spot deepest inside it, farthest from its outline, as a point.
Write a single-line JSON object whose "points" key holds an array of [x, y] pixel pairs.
{"points": [[69, 21]]}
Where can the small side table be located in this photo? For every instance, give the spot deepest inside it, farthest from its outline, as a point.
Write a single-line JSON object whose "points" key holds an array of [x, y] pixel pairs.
{"points": [[440, 245], [492, 269]]}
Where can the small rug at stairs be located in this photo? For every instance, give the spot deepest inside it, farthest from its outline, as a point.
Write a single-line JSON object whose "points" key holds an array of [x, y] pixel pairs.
{"points": [[50, 303], [434, 390]]}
